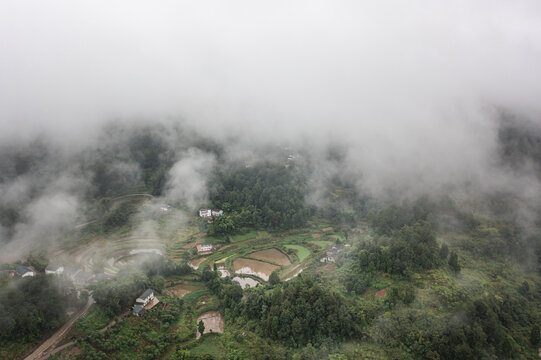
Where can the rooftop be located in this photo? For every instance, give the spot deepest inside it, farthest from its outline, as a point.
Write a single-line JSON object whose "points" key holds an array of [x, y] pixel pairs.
{"points": [[146, 294], [22, 269]]}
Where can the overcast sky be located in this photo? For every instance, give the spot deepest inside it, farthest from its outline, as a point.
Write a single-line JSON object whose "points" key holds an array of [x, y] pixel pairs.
{"points": [[409, 85]]}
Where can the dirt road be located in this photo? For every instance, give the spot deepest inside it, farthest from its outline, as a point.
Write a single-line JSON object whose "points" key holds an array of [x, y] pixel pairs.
{"points": [[44, 350]]}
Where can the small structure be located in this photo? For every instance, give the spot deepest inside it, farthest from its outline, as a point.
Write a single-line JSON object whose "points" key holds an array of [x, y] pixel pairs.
{"points": [[142, 301], [205, 213], [23, 271], [204, 248], [223, 272], [54, 269], [327, 259]]}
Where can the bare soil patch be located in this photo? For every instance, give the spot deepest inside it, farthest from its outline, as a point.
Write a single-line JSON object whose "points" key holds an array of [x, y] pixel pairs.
{"points": [[213, 322], [381, 294], [327, 229], [294, 271], [254, 267], [224, 272], [317, 235], [245, 282], [272, 255], [181, 290], [196, 262]]}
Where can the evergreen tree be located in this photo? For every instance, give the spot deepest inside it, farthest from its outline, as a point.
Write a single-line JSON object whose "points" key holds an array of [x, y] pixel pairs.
{"points": [[453, 262], [274, 278], [201, 327], [444, 252], [535, 337]]}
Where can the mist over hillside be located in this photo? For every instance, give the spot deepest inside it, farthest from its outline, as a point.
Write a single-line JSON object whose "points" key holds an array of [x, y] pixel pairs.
{"points": [[48, 190], [317, 179]]}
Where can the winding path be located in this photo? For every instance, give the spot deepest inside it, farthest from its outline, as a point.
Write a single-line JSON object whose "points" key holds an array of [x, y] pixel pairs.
{"points": [[46, 349]]}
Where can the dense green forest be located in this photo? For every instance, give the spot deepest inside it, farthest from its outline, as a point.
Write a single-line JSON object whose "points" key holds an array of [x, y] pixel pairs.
{"points": [[266, 195], [33, 306]]}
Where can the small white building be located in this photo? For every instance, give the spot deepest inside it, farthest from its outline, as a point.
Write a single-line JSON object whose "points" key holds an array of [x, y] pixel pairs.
{"points": [[142, 301], [327, 259], [203, 248], [23, 271], [53, 269], [205, 213]]}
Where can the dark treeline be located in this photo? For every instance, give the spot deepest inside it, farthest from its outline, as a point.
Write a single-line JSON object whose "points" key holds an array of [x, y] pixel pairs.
{"points": [[33, 306], [501, 324], [494, 326], [294, 313], [268, 195]]}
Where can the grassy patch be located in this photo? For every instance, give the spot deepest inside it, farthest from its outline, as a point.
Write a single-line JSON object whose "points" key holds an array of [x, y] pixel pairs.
{"points": [[250, 235], [96, 318], [209, 344], [338, 237], [212, 240], [322, 243], [196, 295], [301, 251]]}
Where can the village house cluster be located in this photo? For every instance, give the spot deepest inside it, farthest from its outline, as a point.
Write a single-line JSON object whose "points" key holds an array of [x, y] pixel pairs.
{"points": [[332, 254], [79, 277]]}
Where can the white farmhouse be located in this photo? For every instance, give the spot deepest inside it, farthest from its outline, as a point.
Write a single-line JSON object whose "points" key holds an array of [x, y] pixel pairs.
{"points": [[205, 213], [142, 301], [204, 248], [24, 271], [53, 269]]}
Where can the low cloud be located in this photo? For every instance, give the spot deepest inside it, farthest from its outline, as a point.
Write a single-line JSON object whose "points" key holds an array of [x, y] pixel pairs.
{"points": [[187, 183]]}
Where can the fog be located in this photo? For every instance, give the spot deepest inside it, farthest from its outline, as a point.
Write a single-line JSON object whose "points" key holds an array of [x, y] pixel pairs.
{"points": [[412, 93]]}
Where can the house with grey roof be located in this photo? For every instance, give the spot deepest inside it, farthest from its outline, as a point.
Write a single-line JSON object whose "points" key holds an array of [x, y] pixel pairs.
{"points": [[23, 271]]}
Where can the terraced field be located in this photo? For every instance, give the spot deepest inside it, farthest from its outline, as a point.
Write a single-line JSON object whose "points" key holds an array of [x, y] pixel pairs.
{"points": [[111, 255], [254, 267], [271, 255]]}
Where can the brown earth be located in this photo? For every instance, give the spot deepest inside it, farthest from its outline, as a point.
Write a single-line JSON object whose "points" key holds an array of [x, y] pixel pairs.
{"points": [[381, 294], [272, 255], [254, 267], [196, 262], [213, 322], [181, 290]]}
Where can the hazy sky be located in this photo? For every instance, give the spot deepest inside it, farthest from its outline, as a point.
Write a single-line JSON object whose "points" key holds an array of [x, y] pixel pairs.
{"points": [[334, 66], [410, 88]]}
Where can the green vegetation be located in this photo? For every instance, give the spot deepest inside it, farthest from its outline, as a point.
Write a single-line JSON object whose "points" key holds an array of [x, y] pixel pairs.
{"points": [[300, 251], [30, 308], [420, 279], [135, 338], [265, 195], [321, 243]]}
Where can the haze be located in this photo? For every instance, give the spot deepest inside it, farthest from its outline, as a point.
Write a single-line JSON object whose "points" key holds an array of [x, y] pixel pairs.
{"points": [[412, 93]]}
